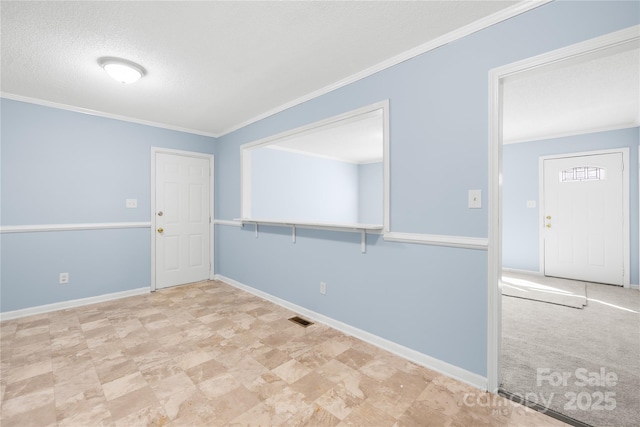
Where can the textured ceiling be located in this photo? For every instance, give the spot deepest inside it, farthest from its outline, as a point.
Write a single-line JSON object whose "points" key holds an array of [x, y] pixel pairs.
{"points": [[359, 139], [211, 66], [592, 92]]}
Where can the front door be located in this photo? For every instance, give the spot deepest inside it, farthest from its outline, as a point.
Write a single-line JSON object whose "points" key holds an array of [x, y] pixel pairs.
{"points": [[182, 219], [583, 218]]}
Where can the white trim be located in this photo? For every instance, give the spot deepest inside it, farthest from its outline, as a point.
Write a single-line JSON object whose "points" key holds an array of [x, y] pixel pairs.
{"points": [[576, 133], [386, 172], [494, 254], [157, 150], [494, 310], [439, 240], [520, 271], [598, 43], [97, 113], [363, 229], [356, 228], [8, 315], [321, 156], [333, 120], [72, 227], [227, 222], [626, 255], [422, 359], [457, 34]]}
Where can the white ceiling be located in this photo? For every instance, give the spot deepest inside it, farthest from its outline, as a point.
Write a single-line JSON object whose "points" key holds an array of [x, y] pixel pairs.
{"points": [[357, 140], [214, 66], [211, 66], [592, 92]]}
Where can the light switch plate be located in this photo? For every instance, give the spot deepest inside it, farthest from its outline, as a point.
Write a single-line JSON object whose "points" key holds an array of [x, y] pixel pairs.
{"points": [[132, 203], [475, 199]]}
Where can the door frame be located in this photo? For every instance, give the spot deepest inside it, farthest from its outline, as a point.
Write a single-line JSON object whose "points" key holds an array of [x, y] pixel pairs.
{"points": [[157, 150], [494, 258], [626, 256]]}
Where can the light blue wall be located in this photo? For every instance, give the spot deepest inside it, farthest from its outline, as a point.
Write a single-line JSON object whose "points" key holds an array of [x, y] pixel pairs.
{"points": [[62, 167], [521, 183], [431, 299], [293, 186], [370, 190]]}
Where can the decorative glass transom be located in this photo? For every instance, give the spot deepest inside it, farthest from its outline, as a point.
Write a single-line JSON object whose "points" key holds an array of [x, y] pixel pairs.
{"points": [[582, 173]]}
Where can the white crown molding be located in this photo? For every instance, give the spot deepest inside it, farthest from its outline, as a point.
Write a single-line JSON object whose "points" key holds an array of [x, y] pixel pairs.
{"points": [[16, 314], [606, 41], [634, 124], [469, 29], [71, 227], [422, 359], [97, 113], [480, 243]]}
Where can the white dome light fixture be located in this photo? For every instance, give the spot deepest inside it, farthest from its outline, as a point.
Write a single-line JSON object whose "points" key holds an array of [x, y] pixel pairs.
{"points": [[122, 70]]}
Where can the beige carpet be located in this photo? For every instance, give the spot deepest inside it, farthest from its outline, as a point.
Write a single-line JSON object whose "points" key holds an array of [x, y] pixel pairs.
{"points": [[551, 290], [549, 349]]}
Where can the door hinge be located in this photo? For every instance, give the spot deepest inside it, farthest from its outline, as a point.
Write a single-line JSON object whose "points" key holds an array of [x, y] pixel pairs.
{"points": [[209, 219]]}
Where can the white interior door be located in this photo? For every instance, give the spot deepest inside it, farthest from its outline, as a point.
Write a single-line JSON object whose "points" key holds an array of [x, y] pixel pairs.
{"points": [[583, 218], [182, 218]]}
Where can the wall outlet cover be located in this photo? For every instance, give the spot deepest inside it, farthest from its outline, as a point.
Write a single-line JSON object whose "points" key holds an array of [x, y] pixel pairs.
{"points": [[475, 199]]}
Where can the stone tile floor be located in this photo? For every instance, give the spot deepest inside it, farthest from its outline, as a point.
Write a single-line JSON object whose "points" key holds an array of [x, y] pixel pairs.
{"points": [[208, 354]]}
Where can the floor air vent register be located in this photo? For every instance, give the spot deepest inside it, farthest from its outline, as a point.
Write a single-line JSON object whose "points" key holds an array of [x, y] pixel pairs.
{"points": [[300, 321]]}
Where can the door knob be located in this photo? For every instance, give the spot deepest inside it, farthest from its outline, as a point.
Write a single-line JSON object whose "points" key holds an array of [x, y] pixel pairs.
{"points": [[548, 225], [548, 216], [160, 213], [160, 230]]}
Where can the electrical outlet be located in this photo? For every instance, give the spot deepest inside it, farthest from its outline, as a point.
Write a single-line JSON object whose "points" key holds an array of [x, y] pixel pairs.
{"points": [[131, 203], [323, 288], [64, 278]]}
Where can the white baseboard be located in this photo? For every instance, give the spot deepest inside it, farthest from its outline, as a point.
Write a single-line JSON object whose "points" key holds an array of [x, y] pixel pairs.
{"points": [[16, 314], [537, 273], [432, 363], [519, 271]]}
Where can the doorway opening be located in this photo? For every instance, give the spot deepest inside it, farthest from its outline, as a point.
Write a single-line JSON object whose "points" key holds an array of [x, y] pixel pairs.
{"points": [[536, 323]]}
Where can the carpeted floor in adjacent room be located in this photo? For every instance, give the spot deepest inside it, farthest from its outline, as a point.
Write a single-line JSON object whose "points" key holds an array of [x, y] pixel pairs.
{"points": [[544, 343]]}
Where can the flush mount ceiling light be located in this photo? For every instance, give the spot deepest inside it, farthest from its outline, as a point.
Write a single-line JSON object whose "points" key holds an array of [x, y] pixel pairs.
{"points": [[121, 70]]}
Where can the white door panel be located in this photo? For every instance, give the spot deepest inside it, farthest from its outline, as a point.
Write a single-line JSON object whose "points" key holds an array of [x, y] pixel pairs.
{"points": [[583, 218], [182, 219]]}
